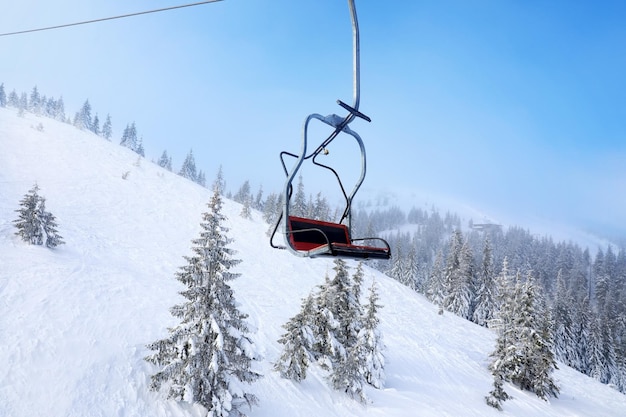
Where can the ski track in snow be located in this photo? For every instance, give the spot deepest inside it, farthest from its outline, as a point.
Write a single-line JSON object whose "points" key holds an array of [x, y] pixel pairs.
{"points": [[74, 321]]}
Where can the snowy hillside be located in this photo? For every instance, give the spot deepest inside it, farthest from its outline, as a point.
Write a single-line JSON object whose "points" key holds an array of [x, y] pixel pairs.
{"points": [[74, 321]]}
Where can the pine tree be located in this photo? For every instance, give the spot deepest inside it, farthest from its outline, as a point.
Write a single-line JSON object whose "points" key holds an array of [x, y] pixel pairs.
{"points": [[13, 100], [3, 96], [582, 334], [82, 119], [49, 225], [36, 225], [436, 289], [298, 343], [129, 137], [22, 105], [165, 161], [411, 269], [363, 362], [95, 126], [208, 356], [258, 200], [347, 375], [396, 271], [49, 107], [201, 178], [28, 223], [345, 305], [371, 341], [537, 343], [107, 128], [34, 104], [337, 322], [188, 169], [485, 305], [564, 343], [219, 182], [498, 394], [59, 110], [270, 208], [458, 277], [504, 361], [523, 352], [243, 193], [299, 205], [139, 149], [246, 211], [328, 347]]}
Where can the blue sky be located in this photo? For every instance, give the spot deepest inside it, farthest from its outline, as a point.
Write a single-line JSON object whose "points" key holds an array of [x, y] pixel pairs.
{"points": [[515, 107]]}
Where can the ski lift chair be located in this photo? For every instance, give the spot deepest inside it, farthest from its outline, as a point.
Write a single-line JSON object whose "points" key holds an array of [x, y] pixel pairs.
{"points": [[312, 238]]}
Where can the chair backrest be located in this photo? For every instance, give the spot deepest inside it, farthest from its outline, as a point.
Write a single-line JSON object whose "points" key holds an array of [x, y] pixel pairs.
{"points": [[306, 234]]}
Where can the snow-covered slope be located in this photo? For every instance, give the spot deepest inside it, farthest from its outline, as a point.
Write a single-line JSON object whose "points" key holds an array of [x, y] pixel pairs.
{"points": [[74, 321]]}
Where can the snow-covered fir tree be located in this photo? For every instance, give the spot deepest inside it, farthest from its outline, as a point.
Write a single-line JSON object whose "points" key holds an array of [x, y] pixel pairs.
{"points": [[246, 210], [13, 99], [28, 223], [299, 204], [411, 269], [458, 277], [371, 342], [502, 363], [188, 169], [435, 286], [320, 208], [364, 360], [23, 105], [497, 395], [49, 225], [201, 178], [243, 193], [3, 96], [344, 307], [535, 333], [140, 150], [165, 161], [208, 357], [332, 329], [34, 104], [107, 128], [327, 347], [220, 182], [59, 110], [82, 119], [347, 375], [524, 345], [485, 304], [129, 137], [564, 344], [95, 125], [297, 343], [35, 225], [258, 199]]}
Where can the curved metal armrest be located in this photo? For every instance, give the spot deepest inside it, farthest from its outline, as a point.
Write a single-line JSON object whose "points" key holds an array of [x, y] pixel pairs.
{"points": [[374, 238]]}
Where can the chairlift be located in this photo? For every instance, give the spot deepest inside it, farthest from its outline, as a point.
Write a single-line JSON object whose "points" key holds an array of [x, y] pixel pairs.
{"points": [[306, 237]]}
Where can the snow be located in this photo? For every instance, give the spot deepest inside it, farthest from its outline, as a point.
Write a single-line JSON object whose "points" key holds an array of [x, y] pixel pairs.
{"points": [[74, 321]]}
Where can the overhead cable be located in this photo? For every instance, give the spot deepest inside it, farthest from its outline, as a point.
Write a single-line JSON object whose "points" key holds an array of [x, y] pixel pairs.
{"points": [[109, 18]]}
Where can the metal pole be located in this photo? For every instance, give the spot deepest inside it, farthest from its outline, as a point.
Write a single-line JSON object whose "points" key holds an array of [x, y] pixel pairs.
{"points": [[356, 72]]}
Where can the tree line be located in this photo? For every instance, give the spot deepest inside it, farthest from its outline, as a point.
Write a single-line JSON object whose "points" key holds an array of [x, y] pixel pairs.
{"points": [[584, 296], [579, 298], [88, 120]]}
